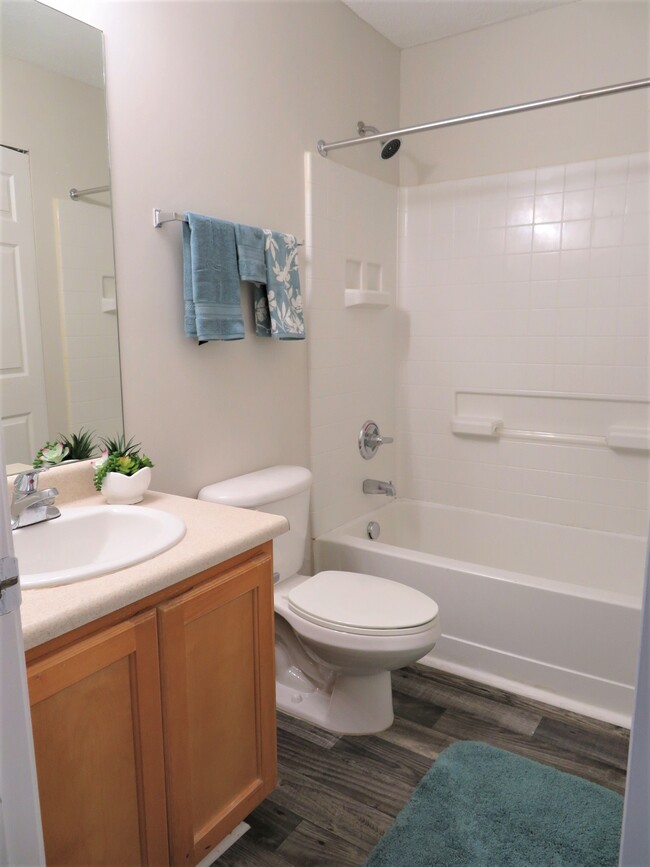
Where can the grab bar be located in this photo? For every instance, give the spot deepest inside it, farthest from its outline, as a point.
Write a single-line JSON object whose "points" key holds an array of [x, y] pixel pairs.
{"points": [[617, 438]]}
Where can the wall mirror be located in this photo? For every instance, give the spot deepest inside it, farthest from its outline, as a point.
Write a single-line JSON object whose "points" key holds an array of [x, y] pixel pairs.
{"points": [[59, 352]]}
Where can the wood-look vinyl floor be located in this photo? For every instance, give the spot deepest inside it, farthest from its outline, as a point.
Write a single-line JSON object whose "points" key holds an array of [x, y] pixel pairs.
{"points": [[338, 795]]}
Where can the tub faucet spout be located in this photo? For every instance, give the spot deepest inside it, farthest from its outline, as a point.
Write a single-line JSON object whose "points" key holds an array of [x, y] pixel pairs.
{"points": [[375, 486]]}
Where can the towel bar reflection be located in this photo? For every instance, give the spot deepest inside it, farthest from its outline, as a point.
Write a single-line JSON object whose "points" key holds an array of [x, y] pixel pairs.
{"points": [[160, 217]]}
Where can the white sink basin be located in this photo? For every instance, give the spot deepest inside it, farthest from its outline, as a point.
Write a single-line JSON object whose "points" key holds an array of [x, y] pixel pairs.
{"points": [[85, 543]]}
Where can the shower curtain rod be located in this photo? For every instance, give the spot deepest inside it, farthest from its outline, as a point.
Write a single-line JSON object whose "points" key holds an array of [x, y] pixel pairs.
{"points": [[324, 147], [75, 194]]}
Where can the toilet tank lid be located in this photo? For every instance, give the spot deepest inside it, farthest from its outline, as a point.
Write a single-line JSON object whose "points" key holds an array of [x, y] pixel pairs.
{"points": [[258, 488]]}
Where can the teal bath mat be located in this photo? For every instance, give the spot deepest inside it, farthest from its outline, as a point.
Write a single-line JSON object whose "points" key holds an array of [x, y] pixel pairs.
{"points": [[483, 807]]}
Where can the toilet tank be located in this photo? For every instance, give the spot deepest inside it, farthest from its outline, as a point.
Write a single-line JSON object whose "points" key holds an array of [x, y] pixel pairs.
{"points": [[281, 490]]}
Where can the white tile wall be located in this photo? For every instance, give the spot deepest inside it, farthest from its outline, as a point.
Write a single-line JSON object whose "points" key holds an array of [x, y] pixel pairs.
{"points": [[350, 217], [533, 281]]}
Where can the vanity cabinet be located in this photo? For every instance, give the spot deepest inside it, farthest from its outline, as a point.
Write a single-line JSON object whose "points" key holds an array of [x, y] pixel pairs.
{"points": [[218, 691], [96, 718], [155, 735]]}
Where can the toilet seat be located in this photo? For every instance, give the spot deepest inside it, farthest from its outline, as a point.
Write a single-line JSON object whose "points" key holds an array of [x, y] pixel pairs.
{"points": [[362, 604]]}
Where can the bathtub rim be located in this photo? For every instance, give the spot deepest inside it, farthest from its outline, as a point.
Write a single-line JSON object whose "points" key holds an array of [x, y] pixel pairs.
{"points": [[564, 588]]}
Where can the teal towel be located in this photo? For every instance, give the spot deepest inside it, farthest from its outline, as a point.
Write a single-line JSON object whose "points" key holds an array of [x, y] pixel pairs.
{"points": [[250, 253], [211, 280], [278, 305]]}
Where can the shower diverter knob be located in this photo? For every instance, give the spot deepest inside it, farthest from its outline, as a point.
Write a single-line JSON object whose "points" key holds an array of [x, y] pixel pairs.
{"points": [[370, 439]]}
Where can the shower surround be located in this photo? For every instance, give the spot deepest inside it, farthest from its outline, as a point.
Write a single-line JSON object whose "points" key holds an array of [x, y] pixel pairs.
{"points": [[521, 297], [526, 283]]}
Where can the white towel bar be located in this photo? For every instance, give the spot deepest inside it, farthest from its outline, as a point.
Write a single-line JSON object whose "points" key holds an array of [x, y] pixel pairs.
{"points": [[618, 438], [628, 439], [476, 426], [160, 217]]}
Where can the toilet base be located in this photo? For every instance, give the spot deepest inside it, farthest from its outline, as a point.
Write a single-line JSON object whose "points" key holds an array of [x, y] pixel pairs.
{"points": [[351, 705]]}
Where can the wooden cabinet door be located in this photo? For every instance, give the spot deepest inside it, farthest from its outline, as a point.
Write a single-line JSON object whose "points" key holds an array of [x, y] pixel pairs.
{"points": [[218, 690], [96, 716]]}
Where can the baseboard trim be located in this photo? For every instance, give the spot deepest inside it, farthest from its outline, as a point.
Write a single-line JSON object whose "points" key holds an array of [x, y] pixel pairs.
{"points": [[225, 844]]}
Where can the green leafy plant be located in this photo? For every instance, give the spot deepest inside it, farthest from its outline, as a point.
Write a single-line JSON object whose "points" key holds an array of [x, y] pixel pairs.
{"points": [[76, 447], [49, 455], [117, 445], [80, 446], [119, 456]]}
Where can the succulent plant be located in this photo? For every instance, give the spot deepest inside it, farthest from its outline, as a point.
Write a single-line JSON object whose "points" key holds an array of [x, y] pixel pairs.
{"points": [[119, 456], [117, 445], [76, 447], [50, 454], [80, 446]]}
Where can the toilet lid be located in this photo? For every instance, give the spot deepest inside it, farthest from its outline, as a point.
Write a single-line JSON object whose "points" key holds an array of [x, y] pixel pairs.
{"points": [[351, 602]]}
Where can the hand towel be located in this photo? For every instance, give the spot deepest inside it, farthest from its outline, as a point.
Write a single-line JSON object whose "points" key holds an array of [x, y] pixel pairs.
{"points": [[250, 253], [211, 280], [278, 310]]}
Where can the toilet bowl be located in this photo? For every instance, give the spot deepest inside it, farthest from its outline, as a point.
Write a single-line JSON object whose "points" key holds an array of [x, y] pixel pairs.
{"points": [[338, 635]]}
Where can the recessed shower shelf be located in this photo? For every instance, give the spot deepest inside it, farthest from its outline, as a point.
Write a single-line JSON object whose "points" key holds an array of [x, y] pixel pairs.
{"points": [[366, 298]]}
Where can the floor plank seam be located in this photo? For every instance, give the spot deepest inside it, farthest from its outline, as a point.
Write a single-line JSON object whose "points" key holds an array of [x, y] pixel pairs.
{"points": [[337, 795]]}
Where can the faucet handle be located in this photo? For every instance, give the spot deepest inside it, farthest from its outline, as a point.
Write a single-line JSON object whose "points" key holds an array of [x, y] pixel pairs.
{"points": [[370, 439], [27, 482]]}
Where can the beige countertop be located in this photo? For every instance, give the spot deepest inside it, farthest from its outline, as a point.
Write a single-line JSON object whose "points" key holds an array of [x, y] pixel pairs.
{"points": [[214, 534]]}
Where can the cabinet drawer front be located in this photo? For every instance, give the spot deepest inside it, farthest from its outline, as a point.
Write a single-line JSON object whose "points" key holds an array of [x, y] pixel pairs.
{"points": [[217, 662], [98, 743]]}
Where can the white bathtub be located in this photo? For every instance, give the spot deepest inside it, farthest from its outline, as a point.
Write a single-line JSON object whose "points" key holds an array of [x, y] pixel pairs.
{"points": [[544, 610]]}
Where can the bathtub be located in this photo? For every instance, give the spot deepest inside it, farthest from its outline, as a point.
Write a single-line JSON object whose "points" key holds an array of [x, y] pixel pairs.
{"points": [[543, 610]]}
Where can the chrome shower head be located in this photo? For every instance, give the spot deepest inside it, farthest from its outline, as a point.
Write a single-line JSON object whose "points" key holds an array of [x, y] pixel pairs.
{"points": [[389, 147]]}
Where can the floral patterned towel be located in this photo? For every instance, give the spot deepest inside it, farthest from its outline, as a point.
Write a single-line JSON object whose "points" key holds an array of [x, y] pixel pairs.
{"points": [[278, 305]]}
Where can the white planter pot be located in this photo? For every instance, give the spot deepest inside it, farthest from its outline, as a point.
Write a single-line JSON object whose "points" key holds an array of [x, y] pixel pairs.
{"points": [[121, 490]]}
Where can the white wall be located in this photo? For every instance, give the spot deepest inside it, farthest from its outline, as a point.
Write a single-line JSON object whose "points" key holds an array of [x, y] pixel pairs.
{"points": [[21, 837], [62, 123], [351, 227], [524, 263], [211, 108], [87, 281], [570, 48]]}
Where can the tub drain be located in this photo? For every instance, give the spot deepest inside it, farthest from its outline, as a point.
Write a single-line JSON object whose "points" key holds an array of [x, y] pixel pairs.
{"points": [[373, 530]]}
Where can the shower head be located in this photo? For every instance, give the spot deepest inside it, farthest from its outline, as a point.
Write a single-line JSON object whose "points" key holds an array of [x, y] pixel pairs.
{"points": [[389, 147]]}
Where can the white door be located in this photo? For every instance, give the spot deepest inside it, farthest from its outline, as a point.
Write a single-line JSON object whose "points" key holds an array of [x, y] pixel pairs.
{"points": [[21, 837], [23, 406]]}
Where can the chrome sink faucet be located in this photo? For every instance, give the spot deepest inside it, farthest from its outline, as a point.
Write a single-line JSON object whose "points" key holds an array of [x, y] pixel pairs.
{"points": [[29, 505], [374, 486]]}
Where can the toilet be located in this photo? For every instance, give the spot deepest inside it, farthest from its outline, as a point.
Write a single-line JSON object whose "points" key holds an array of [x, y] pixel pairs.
{"points": [[338, 635]]}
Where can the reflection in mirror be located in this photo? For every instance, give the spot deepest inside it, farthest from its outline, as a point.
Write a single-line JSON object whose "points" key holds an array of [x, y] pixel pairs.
{"points": [[59, 356]]}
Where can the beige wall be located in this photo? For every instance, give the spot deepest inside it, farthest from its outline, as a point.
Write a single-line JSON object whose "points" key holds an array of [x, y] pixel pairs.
{"points": [[62, 123], [211, 107], [570, 48]]}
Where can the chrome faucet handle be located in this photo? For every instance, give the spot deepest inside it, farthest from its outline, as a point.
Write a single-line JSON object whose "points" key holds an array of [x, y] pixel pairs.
{"points": [[27, 482], [370, 439]]}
